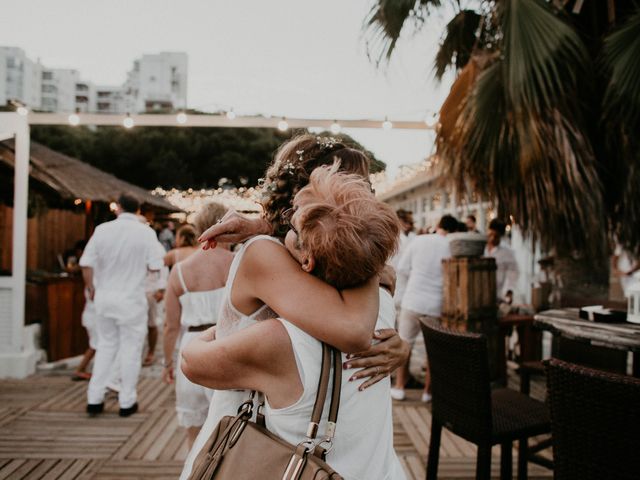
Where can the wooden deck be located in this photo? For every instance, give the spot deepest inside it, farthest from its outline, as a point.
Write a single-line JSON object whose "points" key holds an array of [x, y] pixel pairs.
{"points": [[45, 434]]}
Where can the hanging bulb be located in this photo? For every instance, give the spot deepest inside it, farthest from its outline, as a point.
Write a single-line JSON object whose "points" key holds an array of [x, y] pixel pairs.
{"points": [[22, 111], [74, 120], [283, 126], [335, 127], [128, 122], [387, 125], [181, 118], [231, 114]]}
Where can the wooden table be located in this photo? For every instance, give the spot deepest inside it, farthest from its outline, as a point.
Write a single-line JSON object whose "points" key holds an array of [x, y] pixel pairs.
{"points": [[606, 344]]}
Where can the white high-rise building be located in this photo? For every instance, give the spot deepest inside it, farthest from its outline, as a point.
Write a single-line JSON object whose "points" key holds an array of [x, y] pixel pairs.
{"points": [[158, 82], [20, 78], [59, 89]]}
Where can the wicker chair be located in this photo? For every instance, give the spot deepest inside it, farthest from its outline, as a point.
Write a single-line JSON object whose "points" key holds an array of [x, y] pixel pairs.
{"points": [[595, 422], [464, 403]]}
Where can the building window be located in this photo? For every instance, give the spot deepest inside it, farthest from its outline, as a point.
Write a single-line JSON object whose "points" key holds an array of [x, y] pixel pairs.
{"points": [[47, 75]]}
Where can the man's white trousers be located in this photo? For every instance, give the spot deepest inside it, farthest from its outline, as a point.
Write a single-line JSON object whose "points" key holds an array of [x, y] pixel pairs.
{"points": [[120, 341]]}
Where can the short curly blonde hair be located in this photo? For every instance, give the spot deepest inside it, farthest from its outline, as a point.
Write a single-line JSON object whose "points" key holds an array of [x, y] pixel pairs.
{"points": [[209, 214], [348, 231]]}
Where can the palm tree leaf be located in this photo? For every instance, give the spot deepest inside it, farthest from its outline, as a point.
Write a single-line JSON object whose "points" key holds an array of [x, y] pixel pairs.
{"points": [[621, 56], [457, 45], [386, 20], [543, 55]]}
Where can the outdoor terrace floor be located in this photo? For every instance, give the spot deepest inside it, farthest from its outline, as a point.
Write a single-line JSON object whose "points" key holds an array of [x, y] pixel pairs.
{"points": [[46, 434]]}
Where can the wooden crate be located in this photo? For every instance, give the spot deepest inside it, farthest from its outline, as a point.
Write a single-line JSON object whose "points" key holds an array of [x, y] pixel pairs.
{"points": [[469, 288]]}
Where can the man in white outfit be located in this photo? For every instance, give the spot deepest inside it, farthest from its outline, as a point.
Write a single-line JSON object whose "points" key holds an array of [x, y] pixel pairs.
{"points": [[114, 266]]}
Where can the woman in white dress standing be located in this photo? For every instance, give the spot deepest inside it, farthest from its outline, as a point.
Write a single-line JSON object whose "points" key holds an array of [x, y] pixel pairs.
{"points": [[194, 292]]}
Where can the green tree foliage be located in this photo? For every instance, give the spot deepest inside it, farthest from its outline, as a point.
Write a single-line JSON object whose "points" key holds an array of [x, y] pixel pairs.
{"points": [[174, 157]]}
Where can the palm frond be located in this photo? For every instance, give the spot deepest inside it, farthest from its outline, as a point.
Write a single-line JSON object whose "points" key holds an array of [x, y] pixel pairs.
{"points": [[457, 45], [544, 56], [621, 56], [386, 20]]}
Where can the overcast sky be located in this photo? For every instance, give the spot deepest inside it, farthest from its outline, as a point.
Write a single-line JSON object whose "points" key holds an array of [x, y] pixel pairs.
{"points": [[298, 58]]}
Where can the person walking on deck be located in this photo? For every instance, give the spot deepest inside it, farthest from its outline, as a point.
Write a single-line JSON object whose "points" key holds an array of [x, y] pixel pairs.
{"points": [[114, 266]]}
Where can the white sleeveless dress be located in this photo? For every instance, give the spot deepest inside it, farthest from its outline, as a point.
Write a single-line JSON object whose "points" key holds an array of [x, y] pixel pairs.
{"points": [[226, 402], [363, 443], [198, 308]]}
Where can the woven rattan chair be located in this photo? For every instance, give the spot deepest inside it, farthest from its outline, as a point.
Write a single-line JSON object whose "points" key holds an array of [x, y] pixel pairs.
{"points": [[464, 403], [595, 422]]}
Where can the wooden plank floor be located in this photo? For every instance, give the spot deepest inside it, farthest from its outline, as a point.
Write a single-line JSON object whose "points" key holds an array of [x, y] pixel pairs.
{"points": [[45, 434]]}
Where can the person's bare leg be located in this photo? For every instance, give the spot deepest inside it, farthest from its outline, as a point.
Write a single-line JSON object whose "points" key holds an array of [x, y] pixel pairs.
{"points": [[153, 341], [426, 393], [402, 376], [81, 371], [192, 433]]}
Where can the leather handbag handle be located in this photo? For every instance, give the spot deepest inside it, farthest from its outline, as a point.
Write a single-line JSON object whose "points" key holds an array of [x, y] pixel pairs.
{"points": [[321, 395]]}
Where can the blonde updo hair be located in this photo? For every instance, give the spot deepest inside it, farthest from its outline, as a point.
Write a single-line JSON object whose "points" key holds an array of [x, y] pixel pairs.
{"points": [[209, 214], [186, 236], [292, 165]]}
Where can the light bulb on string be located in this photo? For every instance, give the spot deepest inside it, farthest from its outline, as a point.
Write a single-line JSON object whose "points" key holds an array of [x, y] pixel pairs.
{"points": [[431, 119], [283, 125], [74, 119], [181, 118], [387, 125], [335, 127], [231, 114], [22, 111], [128, 122]]}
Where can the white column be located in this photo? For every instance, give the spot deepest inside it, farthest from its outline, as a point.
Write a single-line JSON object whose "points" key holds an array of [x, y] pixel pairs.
{"points": [[18, 354]]}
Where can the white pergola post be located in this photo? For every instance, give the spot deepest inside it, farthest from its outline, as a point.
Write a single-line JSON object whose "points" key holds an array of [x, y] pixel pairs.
{"points": [[18, 353]]}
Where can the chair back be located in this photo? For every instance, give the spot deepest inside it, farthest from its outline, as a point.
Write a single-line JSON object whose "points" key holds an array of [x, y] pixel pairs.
{"points": [[595, 422], [460, 381]]}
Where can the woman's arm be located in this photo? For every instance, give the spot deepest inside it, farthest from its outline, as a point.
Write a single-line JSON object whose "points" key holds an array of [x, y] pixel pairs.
{"points": [[259, 357], [344, 319], [171, 326], [234, 228], [169, 258]]}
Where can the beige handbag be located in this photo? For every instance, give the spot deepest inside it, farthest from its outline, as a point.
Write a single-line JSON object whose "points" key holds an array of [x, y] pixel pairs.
{"points": [[240, 449]]}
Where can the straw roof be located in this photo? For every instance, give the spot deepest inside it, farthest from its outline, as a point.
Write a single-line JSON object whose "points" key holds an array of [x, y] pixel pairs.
{"points": [[72, 178]]}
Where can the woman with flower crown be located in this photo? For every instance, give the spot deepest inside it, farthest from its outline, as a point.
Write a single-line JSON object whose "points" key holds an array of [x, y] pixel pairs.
{"points": [[344, 319]]}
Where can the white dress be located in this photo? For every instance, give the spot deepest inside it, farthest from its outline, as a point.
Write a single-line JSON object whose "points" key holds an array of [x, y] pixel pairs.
{"points": [[230, 320], [198, 308], [363, 442]]}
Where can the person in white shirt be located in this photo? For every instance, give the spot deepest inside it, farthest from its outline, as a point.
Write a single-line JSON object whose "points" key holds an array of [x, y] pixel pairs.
{"points": [[507, 272], [421, 268], [114, 267]]}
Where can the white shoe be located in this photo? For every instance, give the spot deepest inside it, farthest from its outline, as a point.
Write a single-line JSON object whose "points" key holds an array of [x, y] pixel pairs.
{"points": [[426, 397], [397, 393]]}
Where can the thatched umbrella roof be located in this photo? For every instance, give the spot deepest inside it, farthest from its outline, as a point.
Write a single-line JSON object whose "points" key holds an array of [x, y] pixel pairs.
{"points": [[71, 178]]}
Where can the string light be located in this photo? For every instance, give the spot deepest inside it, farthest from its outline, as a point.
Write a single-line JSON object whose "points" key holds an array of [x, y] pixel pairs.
{"points": [[77, 201], [113, 206], [231, 114], [74, 120], [335, 127], [181, 118], [283, 126], [387, 125], [22, 111], [128, 122], [431, 119]]}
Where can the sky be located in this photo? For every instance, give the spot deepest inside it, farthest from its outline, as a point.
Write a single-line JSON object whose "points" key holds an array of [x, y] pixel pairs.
{"points": [[294, 58]]}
